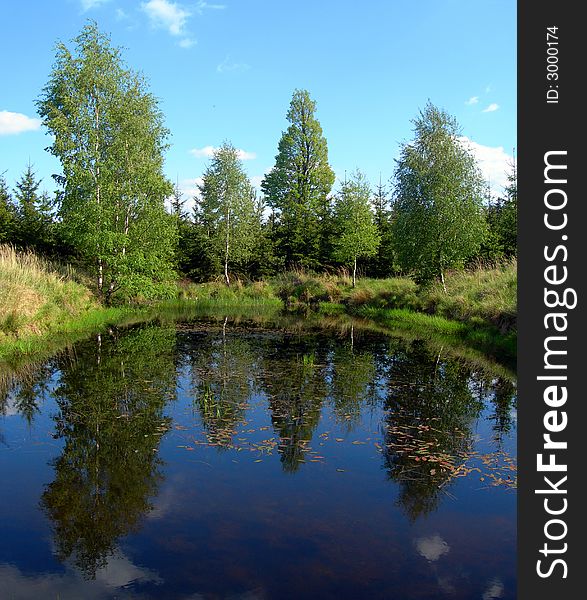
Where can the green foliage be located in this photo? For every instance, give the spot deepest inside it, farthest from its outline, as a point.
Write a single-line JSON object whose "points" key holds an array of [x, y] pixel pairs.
{"points": [[7, 212], [298, 288], [396, 292], [382, 264], [109, 136], [502, 221], [357, 234], [37, 297], [297, 187], [229, 212], [438, 207], [33, 224]]}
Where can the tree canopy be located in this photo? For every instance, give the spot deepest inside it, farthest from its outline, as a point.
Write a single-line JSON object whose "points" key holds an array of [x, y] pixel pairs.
{"points": [[439, 220], [297, 188], [228, 210], [358, 236], [109, 136]]}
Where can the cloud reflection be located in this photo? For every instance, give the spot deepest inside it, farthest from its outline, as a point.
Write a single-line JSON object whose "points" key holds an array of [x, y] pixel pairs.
{"points": [[432, 548], [118, 572]]}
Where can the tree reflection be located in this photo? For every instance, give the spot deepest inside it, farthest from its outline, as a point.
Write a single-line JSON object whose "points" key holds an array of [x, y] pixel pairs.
{"points": [[24, 390], [504, 397], [223, 370], [295, 382], [431, 407], [353, 383], [110, 415]]}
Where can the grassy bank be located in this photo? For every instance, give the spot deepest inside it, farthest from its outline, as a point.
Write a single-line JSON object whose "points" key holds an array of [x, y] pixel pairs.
{"points": [[481, 296], [477, 311], [44, 307]]}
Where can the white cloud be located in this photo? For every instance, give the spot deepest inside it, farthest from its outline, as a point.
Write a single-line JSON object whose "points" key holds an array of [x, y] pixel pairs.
{"points": [[89, 4], [226, 66], [472, 100], [202, 6], [189, 188], [120, 571], [205, 152], [256, 181], [12, 123], [208, 152], [190, 192], [494, 163], [432, 548], [491, 108], [167, 15], [187, 42], [120, 14]]}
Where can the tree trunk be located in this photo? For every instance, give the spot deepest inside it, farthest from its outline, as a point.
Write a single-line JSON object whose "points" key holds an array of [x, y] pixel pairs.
{"points": [[442, 279], [227, 279], [355, 272], [100, 278]]}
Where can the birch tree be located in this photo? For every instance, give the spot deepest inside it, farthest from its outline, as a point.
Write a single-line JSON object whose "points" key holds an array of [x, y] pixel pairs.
{"points": [[228, 210], [438, 216], [109, 136], [357, 231]]}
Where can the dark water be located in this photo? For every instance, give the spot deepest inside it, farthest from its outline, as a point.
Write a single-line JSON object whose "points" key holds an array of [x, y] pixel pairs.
{"points": [[206, 464]]}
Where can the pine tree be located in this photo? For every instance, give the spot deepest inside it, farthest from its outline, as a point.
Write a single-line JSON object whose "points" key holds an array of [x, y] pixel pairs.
{"points": [[382, 264], [7, 213]]}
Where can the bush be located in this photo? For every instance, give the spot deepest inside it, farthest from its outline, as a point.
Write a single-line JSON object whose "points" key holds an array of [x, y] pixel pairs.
{"points": [[300, 288]]}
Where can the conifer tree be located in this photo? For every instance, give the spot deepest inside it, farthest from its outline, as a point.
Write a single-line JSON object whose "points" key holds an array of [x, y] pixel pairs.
{"points": [[298, 186]]}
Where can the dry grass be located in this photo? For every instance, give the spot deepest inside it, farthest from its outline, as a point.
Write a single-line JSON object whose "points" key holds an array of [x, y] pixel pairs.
{"points": [[34, 295], [486, 294]]}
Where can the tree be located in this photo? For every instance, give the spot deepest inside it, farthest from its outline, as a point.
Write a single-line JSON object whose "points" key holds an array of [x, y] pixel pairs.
{"points": [[298, 186], [502, 222], [438, 202], [33, 226], [507, 222], [382, 264], [228, 209], [357, 232], [109, 136], [7, 215]]}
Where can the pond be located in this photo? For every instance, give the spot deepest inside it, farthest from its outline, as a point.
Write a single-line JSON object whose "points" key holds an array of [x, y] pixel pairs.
{"points": [[198, 461]]}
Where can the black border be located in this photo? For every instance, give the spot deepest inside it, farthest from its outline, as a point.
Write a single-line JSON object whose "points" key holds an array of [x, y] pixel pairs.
{"points": [[544, 127]]}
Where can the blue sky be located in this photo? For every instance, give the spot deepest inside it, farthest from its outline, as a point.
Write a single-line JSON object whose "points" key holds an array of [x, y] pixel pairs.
{"points": [[226, 70]]}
